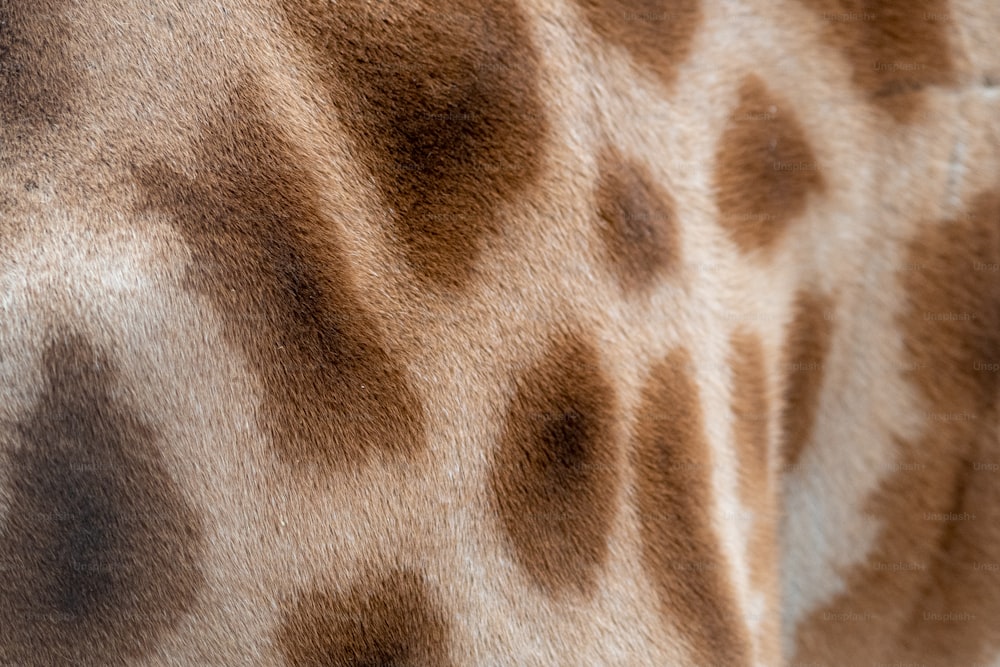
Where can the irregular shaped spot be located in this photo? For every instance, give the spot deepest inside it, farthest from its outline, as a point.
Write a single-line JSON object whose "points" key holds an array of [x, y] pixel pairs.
{"points": [[928, 589], [656, 33], [751, 398], [392, 621], [765, 169], [806, 347], [442, 101], [750, 413], [636, 221], [36, 76], [555, 480], [680, 550], [953, 324], [100, 549], [894, 49], [270, 262], [952, 332]]}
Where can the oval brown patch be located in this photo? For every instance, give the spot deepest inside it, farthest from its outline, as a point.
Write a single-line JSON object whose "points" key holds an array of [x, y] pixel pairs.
{"points": [[442, 100], [99, 549], [637, 221], [656, 33], [765, 168], [270, 262], [392, 621], [555, 481], [895, 49], [681, 552]]}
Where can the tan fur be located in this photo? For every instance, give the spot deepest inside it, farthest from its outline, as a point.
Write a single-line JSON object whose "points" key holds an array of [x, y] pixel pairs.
{"points": [[454, 333]]}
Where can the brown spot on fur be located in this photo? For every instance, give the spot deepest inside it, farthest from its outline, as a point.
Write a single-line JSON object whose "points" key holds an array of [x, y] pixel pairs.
{"points": [[895, 49], [36, 76], [392, 622], [271, 263], [680, 549], [758, 491], [954, 317], [99, 546], [765, 168], [556, 477], [637, 221], [442, 100], [656, 33], [939, 514], [750, 412], [806, 348]]}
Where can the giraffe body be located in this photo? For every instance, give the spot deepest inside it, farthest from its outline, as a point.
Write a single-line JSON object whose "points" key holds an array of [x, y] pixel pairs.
{"points": [[590, 333]]}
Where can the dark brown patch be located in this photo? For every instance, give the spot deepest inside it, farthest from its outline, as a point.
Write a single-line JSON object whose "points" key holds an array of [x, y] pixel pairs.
{"points": [[765, 168], [895, 49], [681, 552], [36, 76], [270, 261], [99, 548], [939, 514], [806, 347], [556, 477], [637, 221], [656, 33], [441, 98], [391, 622]]}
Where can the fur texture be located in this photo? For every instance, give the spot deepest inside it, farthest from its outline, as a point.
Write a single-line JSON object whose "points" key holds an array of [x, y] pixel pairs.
{"points": [[454, 333]]}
